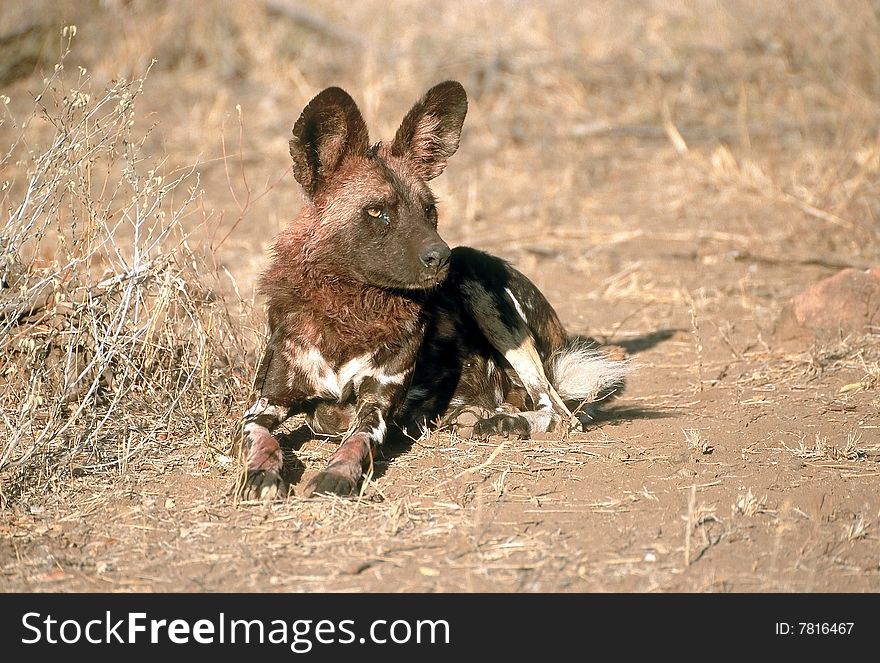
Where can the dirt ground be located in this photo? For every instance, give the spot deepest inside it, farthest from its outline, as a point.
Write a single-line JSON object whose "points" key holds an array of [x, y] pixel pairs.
{"points": [[669, 174]]}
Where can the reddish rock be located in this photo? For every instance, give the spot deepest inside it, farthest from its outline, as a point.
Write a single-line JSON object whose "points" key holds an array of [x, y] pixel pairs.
{"points": [[847, 303]]}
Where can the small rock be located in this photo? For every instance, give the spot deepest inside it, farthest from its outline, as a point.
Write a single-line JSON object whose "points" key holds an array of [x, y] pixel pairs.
{"points": [[846, 303]]}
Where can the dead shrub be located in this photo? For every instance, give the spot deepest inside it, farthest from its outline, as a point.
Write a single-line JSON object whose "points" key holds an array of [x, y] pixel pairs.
{"points": [[114, 344]]}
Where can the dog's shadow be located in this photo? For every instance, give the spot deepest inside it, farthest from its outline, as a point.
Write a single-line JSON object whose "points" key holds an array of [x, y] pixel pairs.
{"points": [[617, 414], [639, 344]]}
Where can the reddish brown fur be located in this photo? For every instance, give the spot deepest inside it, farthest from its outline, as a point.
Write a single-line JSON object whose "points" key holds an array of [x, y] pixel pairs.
{"points": [[340, 317], [312, 294], [265, 453]]}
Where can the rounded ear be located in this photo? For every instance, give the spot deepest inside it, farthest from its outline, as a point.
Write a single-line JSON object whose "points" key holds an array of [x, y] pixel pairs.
{"points": [[430, 132], [329, 128]]}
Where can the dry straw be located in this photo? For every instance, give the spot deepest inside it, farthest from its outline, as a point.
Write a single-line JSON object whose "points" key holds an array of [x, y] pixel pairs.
{"points": [[112, 340]]}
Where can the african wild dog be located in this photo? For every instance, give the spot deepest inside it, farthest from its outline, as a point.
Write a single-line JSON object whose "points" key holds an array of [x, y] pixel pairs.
{"points": [[375, 322]]}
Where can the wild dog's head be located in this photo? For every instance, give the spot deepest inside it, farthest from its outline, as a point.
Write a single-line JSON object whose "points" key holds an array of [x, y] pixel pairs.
{"points": [[370, 214]]}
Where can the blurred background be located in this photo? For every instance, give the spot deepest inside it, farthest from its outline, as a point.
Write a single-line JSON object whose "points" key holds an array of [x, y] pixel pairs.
{"points": [[580, 113]]}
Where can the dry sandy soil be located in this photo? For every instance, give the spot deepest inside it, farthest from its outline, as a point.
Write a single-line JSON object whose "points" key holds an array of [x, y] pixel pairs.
{"points": [[669, 174]]}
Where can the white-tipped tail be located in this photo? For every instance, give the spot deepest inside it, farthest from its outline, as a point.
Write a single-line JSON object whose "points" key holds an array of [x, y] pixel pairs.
{"points": [[581, 372]]}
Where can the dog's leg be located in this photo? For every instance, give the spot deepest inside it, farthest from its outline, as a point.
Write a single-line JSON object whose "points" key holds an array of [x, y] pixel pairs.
{"points": [[346, 466], [499, 318], [463, 418], [263, 478], [525, 361], [521, 424]]}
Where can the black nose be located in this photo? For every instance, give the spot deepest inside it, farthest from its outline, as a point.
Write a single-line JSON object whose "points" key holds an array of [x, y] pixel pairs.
{"points": [[435, 256]]}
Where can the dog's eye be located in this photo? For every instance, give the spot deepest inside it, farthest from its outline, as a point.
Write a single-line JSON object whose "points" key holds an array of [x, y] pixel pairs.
{"points": [[430, 209], [374, 211]]}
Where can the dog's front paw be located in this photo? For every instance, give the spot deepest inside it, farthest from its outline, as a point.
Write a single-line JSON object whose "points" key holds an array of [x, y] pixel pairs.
{"points": [[503, 424], [263, 485], [332, 481], [463, 419]]}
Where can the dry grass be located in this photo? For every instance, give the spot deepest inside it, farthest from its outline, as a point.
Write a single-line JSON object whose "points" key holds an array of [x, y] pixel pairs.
{"points": [[853, 448], [696, 441], [748, 505], [860, 529], [114, 342]]}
